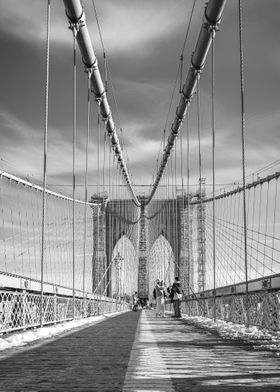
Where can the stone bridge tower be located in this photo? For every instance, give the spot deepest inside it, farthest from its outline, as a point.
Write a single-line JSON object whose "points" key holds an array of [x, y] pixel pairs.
{"points": [[143, 267], [174, 219]]}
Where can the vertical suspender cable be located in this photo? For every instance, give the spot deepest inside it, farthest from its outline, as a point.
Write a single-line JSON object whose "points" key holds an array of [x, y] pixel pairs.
{"points": [[86, 179], [176, 213], [45, 159], [273, 226], [98, 146], [188, 198], [200, 175], [188, 205], [181, 72], [104, 213], [213, 165], [173, 232], [104, 164], [99, 274], [243, 151], [183, 226], [274, 222], [74, 29], [198, 135], [110, 221]]}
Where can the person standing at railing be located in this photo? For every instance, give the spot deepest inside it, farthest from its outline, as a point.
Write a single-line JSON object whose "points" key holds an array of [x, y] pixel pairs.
{"points": [[176, 297]]}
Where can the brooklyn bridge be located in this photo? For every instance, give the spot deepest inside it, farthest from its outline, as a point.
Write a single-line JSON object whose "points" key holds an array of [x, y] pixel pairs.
{"points": [[95, 209]]}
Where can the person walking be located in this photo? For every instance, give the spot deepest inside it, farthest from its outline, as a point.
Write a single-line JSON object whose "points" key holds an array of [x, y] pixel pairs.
{"points": [[160, 302], [176, 297]]}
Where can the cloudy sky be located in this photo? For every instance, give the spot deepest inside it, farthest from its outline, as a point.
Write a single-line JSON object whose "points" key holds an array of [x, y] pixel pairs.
{"points": [[143, 42]]}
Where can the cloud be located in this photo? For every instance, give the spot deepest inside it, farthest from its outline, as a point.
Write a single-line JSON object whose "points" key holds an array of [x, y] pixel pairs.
{"points": [[130, 27], [143, 44], [27, 21]]}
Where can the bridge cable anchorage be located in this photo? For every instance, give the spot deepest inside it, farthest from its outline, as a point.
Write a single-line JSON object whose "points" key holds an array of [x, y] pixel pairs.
{"points": [[241, 55], [212, 17], [45, 161]]}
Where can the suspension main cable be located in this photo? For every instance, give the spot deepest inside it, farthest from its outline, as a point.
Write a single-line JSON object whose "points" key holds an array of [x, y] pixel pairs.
{"points": [[76, 15], [212, 17]]}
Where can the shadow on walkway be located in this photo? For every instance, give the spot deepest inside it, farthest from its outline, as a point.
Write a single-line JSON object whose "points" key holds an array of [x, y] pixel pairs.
{"points": [[197, 360], [92, 359], [138, 352]]}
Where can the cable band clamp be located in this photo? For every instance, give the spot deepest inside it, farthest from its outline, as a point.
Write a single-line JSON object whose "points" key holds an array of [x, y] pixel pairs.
{"points": [[211, 25], [77, 23], [75, 27], [107, 118], [99, 98]]}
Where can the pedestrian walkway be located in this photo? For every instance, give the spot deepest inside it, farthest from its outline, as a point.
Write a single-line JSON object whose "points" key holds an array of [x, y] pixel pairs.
{"points": [[170, 355], [136, 351]]}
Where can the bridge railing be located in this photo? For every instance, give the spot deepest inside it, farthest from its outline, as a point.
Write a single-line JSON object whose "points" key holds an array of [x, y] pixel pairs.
{"points": [[259, 307], [237, 280], [20, 258], [21, 309]]}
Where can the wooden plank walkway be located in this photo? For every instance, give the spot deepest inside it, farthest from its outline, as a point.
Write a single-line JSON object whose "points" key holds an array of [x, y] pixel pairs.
{"points": [[171, 355], [136, 351]]}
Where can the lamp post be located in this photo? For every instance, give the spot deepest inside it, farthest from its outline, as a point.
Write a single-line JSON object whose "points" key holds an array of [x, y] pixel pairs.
{"points": [[118, 262]]}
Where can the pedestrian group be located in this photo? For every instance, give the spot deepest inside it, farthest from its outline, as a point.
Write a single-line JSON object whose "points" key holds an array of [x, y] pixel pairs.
{"points": [[175, 294], [160, 293]]}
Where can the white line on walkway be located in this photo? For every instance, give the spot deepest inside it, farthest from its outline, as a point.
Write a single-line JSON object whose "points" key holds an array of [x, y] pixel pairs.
{"points": [[146, 368]]}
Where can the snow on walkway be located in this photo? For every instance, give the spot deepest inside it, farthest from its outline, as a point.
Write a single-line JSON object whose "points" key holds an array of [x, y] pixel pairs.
{"points": [[261, 338], [23, 338]]}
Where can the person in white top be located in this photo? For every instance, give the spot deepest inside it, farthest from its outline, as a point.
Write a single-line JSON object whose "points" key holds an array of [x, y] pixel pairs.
{"points": [[159, 291]]}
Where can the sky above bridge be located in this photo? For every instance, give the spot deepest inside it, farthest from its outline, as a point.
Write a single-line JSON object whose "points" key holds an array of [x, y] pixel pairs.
{"points": [[143, 43]]}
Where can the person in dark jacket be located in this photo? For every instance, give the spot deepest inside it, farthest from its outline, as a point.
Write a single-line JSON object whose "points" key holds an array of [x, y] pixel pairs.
{"points": [[176, 297]]}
